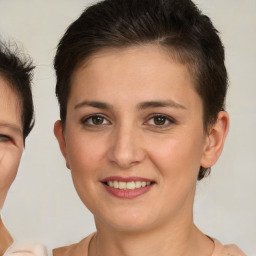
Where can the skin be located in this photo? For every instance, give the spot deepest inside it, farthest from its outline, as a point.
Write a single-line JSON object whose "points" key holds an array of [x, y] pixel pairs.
{"points": [[11, 138], [135, 84]]}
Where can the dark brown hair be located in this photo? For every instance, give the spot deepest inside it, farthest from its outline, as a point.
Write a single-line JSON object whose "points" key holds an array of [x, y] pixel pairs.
{"points": [[17, 70], [177, 25]]}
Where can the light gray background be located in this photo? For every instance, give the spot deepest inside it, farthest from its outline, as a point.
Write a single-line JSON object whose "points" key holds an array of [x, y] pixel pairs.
{"points": [[42, 204]]}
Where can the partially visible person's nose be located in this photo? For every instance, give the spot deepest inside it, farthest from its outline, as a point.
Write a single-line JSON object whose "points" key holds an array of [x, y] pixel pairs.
{"points": [[126, 149]]}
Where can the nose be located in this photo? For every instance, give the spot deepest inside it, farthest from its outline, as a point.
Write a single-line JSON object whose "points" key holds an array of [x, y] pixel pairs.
{"points": [[126, 148]]}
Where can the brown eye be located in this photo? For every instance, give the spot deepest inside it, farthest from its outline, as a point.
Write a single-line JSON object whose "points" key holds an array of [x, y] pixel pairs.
{"points": [[159, 120], [97, 120]]}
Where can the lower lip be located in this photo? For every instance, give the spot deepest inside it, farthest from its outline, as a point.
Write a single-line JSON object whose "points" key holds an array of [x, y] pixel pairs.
{"points": [[127, 194]]}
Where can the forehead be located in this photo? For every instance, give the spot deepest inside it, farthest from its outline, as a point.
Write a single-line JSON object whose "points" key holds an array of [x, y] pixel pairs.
{"points": [[10, 107], [141, 68], [138, 55]]}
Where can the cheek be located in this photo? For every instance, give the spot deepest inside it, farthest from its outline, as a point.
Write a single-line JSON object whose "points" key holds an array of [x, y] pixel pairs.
{"points": [[177, 157], [84, 154], [177, 162], [86, 159], [9, 163]]}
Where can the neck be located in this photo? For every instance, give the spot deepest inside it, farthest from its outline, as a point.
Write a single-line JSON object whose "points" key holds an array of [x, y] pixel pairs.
{"points": [[178, 238], [5, 238]]}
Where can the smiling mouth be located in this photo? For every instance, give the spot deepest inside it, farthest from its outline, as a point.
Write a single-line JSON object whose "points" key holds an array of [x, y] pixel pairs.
{"points": [[127, 187], [130, 185]]}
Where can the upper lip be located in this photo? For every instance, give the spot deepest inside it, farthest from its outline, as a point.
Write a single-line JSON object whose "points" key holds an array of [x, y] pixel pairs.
{"points": [[125, 179]]}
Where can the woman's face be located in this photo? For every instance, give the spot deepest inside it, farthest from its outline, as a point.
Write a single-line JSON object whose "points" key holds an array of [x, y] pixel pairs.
{"points": [[134, 138], [11, 138]]}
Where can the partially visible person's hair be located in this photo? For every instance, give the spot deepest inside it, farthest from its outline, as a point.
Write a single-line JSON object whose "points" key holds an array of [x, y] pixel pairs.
{"points": [[16, 69], [176, 25]]}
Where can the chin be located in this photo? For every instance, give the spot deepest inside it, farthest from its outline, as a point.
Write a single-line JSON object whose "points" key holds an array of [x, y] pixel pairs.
{"points": [[129, 221]]}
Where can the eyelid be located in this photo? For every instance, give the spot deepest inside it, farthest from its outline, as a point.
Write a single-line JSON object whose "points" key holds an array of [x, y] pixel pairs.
{"points": [[86, 118], [170, 120], [5, 138]]}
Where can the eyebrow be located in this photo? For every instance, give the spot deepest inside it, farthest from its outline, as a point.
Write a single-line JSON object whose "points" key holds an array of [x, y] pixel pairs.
{"points": [[140, 106], [11, 126], [160, 104], [95, 104]]}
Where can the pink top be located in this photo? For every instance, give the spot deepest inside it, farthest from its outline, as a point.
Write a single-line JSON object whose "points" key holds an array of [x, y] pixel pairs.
{"points": [[81, 248]]}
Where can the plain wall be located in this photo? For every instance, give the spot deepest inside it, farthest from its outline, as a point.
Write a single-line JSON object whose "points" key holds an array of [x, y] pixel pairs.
{"points": [[42, 204]]}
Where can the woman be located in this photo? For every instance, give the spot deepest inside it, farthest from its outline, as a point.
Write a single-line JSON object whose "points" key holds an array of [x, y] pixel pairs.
{"points": [[16, 122], [141, 86]]}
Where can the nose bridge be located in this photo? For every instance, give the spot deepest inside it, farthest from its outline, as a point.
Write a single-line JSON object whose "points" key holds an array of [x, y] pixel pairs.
{"points": [[126, 148]]}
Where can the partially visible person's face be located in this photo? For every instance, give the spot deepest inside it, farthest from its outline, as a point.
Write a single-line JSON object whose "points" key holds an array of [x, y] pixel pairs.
{"points": [[134, 138], [11, 138]]}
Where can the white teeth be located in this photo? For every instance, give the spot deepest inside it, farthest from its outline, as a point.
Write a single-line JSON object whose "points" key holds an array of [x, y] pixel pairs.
{"points": [[122, 185], [128, 185], [137, 184], [116, 184]]}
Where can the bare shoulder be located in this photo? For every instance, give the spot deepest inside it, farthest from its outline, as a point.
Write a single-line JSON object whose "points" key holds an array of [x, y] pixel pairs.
{"points": [[227, 250], [232, 249]]}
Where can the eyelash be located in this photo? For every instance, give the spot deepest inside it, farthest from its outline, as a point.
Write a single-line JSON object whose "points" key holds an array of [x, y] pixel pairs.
{"points": [[169, 119], [87, 121], [4, 138]]}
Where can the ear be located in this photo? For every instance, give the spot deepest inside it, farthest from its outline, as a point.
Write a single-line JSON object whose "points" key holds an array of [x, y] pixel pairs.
{"points": [[215, 140], [59, 134]]}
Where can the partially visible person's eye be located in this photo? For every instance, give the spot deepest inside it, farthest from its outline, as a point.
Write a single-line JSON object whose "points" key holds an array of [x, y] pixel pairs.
{"points": [[95, 120], [160, 120], [4, 138]]}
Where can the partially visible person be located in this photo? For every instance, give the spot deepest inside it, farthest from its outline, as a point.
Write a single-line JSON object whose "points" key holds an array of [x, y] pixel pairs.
{"points": [[16, 122]]}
